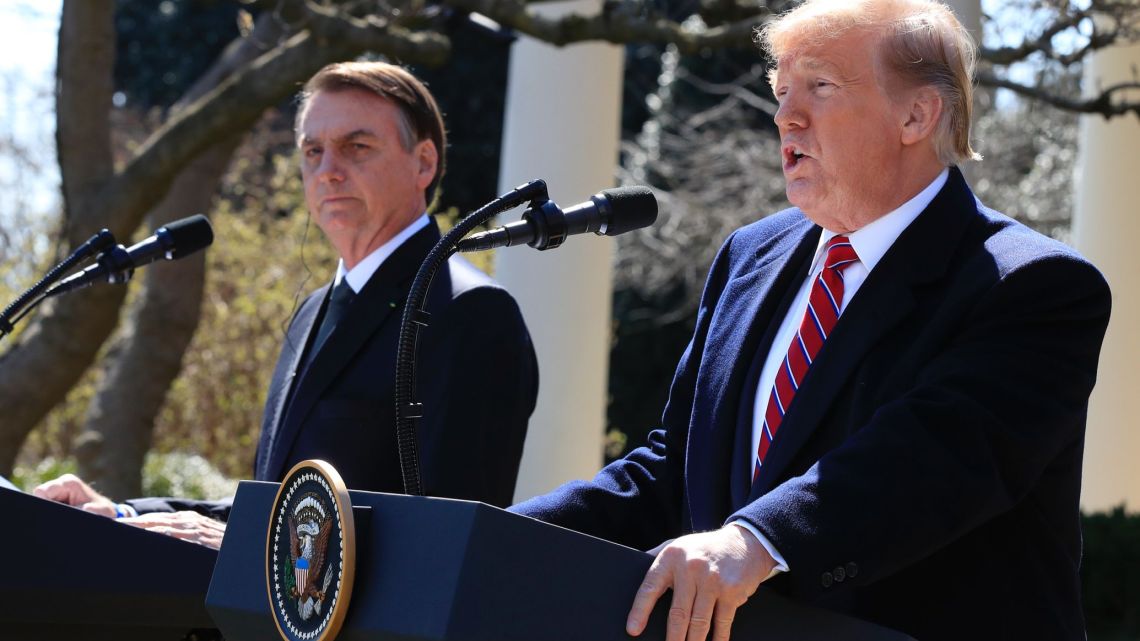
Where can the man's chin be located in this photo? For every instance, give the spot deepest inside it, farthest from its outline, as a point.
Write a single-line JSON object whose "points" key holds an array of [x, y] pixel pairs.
{"points": [[801, 195]]}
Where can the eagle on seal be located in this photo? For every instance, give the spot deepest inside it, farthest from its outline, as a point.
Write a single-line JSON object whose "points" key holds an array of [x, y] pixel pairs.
{"points": [[308, 545]]}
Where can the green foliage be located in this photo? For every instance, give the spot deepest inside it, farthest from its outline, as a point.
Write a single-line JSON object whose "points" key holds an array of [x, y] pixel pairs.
{"points": [[266, 257], [1110, 575], [175, 474], [287, 573], [54, 436], [27, 477], [184, 475]]}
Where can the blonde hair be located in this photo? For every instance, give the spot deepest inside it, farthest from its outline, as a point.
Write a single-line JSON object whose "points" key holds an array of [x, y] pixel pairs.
{"points": [[922, 43]]}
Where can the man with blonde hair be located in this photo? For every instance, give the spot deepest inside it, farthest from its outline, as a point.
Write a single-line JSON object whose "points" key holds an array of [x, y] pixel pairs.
{"points": [[882, 408]]}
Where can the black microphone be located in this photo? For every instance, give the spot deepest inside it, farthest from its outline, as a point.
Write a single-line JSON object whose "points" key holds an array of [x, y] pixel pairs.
{"points": [[171, 242], [607, 213]]}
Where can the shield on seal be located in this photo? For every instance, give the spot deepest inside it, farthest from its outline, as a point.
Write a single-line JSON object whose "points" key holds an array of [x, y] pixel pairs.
{"points": [[301, 573]]}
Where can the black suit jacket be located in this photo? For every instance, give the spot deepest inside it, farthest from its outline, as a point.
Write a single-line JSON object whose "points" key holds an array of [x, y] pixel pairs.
{"points": [[927, 474], [477, 378]]}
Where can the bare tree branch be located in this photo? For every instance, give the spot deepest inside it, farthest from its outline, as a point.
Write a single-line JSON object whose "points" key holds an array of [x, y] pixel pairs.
{"points": [[614, 26], [83, 107], [1105, 103], [1110, 21], [148, 356]]}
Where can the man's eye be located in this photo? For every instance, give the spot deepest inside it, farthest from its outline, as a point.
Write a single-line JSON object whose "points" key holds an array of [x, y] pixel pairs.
{"points": [[312, 152]]}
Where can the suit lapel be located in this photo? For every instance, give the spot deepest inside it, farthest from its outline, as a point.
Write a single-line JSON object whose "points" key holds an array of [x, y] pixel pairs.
{"points": [[735, 333], [920, 254], [285, 376], [381, 301]]}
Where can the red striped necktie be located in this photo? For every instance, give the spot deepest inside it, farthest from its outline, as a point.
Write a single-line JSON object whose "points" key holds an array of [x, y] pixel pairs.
{"points": [[819, 319]]}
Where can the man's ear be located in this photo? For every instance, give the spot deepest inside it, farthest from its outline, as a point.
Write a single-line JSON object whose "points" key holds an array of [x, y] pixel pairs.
{"points": [[924, 109], [428, 158]]}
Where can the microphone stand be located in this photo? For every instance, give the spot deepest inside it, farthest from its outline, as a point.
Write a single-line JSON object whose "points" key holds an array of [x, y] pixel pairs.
{"points": [[415, 318], [34, 295]]}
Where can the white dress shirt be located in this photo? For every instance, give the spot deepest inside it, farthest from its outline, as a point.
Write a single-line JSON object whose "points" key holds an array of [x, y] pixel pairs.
{"points": [[871, 244], [359, 276]]}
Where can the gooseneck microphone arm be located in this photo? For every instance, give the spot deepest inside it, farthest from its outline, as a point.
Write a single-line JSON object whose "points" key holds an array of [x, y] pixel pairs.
{"points": [[34, 295], [608, 213], [544, 226], [415, 318], [113, 263]]}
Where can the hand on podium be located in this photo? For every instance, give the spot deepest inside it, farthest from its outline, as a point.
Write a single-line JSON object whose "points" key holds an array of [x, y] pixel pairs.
{"points": [[185, 525], [71, 490], [711, 573], [188, 526]]}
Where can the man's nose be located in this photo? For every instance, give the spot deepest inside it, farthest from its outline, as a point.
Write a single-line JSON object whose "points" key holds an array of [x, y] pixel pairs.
{"points": [[330, 168], [790, 113]]}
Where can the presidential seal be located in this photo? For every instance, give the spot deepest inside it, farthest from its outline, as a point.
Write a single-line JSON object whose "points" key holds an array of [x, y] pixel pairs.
{"points": [[310, 553]]}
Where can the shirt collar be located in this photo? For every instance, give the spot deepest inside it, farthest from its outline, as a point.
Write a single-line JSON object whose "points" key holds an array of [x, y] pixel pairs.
{"points": [[872, 241], [359, 276]]}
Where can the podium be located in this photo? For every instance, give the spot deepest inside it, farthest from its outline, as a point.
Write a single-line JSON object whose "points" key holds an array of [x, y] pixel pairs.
{"points": [[450, 570], [67, 574]]}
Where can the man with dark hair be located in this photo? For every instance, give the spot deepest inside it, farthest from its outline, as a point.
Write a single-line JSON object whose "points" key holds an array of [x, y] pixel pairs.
{"points": [[372, 142], [882, 408]]}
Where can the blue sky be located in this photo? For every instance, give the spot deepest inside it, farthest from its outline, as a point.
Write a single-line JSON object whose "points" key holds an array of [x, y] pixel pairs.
{"points": [[28, 32]]}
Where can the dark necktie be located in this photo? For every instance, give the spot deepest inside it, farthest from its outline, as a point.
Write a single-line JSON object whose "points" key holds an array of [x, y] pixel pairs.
{"points": [[819, 319], [339, 302]]}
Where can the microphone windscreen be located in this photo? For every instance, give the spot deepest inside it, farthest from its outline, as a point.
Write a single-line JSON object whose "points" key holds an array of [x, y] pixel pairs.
{"points": [[632, 208], [190, 235]]}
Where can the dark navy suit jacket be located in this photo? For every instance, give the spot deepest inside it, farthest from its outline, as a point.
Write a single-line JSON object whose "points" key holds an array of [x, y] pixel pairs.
{"points": [[477, 377], [927, 474]]}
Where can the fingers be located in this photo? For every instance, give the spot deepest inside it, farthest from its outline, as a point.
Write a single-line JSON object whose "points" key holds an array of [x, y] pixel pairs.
{"points": [[711, 574], [702, 614], [58, 489], [71, 490], [722, 621], [187, 526], [656, 581], [102, 508]]}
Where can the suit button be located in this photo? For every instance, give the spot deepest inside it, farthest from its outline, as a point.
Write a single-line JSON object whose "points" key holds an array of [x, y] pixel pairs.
{"points": [[839, 574], [852, 570], [826, 579]]}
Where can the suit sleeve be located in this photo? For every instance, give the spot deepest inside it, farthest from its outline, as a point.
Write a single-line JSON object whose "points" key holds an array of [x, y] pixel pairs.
{"points": [[219, 510], [479, 385], [1000, 408], [634, 500]]}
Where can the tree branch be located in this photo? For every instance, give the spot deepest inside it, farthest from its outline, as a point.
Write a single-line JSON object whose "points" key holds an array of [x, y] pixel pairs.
{"points": [[83, 103], [1103, 104], [612, 26], [238, 101], [1112, 23]]}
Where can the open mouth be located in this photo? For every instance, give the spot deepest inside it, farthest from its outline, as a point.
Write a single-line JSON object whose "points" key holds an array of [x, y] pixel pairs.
{"points": [[792, 156]]}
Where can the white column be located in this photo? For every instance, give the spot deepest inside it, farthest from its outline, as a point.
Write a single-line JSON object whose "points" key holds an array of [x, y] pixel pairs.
{"points": [[1105, 228], [563, 125]]}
